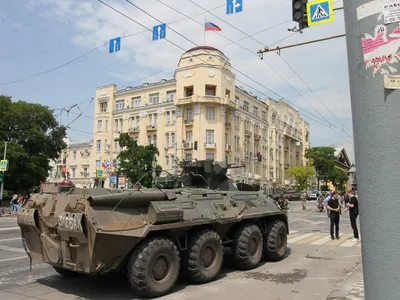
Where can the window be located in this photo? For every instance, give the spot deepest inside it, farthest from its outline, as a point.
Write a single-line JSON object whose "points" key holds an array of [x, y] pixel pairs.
{"points": [[106, 129], [255, 110], [103, 107], [155, 140], [99, 125], [155, 119], [237, 99], [189, 114], [116, 146], [73, 172], [171, 95], [173, 116], [167, 161], [210, 136], [154, 98], [98, 145], [227, 94], [149, 139], [246, 106], [150, 119], [105, 145], [188, 91], [120, 104], [121, 122], [85, 172], [168, 117], [210, 90], [116, 124], [210, 113], [173, 161], [188, 157], [210, 156], [74, 155], [226, 138], [189, 136], [135, 102], [98, 164], [173, 138], [264, 115], [167, 140]]}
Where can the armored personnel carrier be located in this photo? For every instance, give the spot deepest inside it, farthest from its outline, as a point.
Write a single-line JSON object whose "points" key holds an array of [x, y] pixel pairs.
{"points": [[154, 235]]}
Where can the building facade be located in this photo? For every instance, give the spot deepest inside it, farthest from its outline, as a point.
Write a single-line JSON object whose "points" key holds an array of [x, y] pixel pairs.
{"points": [[202, 114], [74, 163]]}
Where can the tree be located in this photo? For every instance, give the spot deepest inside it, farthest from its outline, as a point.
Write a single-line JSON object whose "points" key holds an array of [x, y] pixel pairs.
{"points": [[136, 161], [323, 160], [302, 175], [338, 178], [34, 137]]}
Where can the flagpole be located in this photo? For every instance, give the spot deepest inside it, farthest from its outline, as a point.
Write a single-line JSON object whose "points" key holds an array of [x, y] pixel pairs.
{"points": [[205, 21]]}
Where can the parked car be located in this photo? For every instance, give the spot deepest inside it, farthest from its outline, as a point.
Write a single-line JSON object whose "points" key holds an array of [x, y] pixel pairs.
{"points": [[313, 195], [293, 195]]}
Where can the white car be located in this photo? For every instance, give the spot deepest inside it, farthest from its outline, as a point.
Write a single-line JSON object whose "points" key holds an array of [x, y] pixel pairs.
{"points": [[313, 196]]}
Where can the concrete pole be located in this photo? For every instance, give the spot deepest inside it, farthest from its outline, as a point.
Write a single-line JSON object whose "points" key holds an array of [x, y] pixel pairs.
{"points": [[376, 124], [2, 183]]}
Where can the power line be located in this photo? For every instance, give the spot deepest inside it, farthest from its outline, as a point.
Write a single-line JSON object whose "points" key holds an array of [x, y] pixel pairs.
{"points": [[291, 86], [241, 47]]}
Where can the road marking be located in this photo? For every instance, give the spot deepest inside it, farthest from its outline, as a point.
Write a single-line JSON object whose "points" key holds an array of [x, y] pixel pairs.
{"points": [[12, 249], [312, 238], [300, 237], [293, 231], [339, 242], [348, 243], [323, 240], [10, 239], [9, 228], [14, 258]]}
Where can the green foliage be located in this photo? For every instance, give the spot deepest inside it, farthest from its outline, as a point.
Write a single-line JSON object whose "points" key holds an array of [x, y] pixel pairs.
{"points": [[302, 175], [136, 161], [323, 160], [338, 178], [34, 137]]}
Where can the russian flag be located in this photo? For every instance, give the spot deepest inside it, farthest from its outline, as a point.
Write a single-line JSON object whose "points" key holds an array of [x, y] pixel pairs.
{"points": [[209, 26]]}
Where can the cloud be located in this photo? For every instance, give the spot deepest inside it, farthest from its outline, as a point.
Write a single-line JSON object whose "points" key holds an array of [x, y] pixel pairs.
{"points": [[323, 66]]}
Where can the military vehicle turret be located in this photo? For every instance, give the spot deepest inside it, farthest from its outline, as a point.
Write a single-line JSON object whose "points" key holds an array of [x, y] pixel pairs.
{"points": [[155, 234]]}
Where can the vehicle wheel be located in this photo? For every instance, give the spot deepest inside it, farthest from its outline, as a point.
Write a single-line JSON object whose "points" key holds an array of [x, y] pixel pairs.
{"points": [[247, 247], [203, 259], [67, 273], [275, 242], [153, 267]]}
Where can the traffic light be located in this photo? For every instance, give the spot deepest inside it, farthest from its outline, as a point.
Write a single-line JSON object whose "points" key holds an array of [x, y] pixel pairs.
{"points": [[1, 177], [299, 11], [195, 145]]}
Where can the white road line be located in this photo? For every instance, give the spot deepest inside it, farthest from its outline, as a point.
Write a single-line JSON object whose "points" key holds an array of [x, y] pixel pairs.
{"points": [[323, 240], [301, 237], [12, 249], [14, 258], [292, 231], [10, 239], [348, 243], [9, 228]]}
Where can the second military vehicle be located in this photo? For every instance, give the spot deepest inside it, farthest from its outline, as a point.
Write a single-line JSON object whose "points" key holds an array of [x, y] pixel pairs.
{"points": [[155, 234]]}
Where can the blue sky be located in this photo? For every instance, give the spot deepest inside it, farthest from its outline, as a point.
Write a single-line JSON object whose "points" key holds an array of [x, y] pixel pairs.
{"points": [[40, 35]]}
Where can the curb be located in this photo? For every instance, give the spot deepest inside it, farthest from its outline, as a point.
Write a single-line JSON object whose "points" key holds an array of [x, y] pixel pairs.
{"points": [[342, 290]]}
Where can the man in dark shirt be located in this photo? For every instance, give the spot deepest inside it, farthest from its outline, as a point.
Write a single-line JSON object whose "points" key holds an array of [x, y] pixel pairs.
{"points": [[334, 209], [352, 206]]}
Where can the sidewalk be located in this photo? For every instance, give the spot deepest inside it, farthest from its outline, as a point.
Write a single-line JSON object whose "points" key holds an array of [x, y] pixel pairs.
{"points": [[352, 288]]}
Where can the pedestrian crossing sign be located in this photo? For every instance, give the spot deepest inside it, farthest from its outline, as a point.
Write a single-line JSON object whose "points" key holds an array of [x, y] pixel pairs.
{"points": [[319, 12], [99, 173], [3, 165]]}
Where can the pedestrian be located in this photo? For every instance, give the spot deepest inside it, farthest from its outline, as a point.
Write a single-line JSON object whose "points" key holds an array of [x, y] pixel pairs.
{"points": [[327, 198], [304, 200], [334, 208], [14, 205], [352, 206]]}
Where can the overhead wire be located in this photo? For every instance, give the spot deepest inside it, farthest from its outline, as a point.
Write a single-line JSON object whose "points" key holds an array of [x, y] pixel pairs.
{"points": [[116, 10], [238, 29]]}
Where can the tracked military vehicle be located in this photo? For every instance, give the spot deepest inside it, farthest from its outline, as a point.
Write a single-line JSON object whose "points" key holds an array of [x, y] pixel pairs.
{"points": [[155, 235]]}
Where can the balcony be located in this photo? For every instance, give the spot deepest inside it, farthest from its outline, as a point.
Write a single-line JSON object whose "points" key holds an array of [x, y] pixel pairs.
{"points": [[210, 145], [286, 148], [227, 125], [188, 122], [151, 127], [211, 99], [257, 136], [286, 166], [188, 145], [134, 129], [247, 132], [228, 148], [168, 123], [237, 127]]}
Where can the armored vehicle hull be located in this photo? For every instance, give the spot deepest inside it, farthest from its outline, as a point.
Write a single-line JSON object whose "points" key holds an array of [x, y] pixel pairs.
{"points": [[153, 235]]}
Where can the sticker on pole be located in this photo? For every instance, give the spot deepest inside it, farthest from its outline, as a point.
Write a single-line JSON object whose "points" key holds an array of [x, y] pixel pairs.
{"points": [[319, 12], [391, 12]]}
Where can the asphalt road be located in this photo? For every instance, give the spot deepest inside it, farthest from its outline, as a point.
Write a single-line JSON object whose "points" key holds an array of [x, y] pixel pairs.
{"points": [[314, 266]]}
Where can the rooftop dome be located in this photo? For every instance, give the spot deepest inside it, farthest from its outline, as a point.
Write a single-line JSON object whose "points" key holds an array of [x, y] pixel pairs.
{"points": [[204, 48]]}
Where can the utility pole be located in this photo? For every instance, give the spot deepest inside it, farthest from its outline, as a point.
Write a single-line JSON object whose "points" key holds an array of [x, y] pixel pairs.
{"points": [[2, 183], [376, 124]]}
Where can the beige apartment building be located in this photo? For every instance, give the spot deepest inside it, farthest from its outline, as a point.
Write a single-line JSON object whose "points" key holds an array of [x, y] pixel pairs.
{"points": [[202, 114], [74, 163]]}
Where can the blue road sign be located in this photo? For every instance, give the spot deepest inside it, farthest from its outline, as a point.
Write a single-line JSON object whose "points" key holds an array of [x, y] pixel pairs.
{"points": [[159, 32], [115, 45], [319, 12], [234, 6]]}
